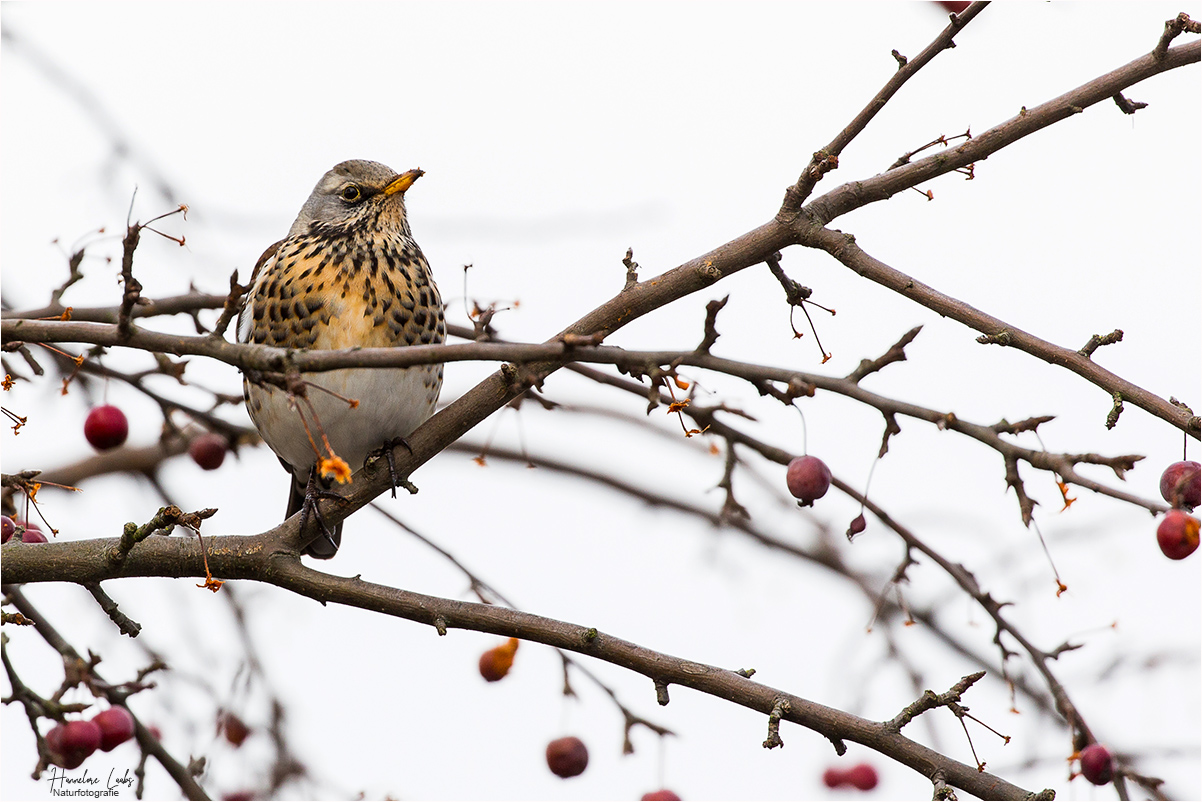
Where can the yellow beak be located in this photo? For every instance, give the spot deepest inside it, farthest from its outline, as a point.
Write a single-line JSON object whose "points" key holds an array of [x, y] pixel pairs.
{"points": [[403, 181]]}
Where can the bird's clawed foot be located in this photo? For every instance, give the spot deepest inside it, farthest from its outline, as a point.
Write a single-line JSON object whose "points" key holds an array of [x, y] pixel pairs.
{"points": [[313, 493], [386, 450]]}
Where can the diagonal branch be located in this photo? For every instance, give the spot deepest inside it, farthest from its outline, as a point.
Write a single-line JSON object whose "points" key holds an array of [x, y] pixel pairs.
{"points": [[844, 248]]}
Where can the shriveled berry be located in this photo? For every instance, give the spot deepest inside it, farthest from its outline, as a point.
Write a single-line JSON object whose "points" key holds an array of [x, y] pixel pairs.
{"points": [[73, 742], [106, 427], [567, 757], [116, 727], [1181, 484], [496, 662], [862, 777], [1177, 535], [1097, 766], [7, 527], [662, 795], [208, 450], [834, 778], [857, 525], [808, 479], [234, 728]]}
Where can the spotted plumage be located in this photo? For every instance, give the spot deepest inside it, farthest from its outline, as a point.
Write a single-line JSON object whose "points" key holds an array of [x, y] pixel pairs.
{"points": [[348, 274]]}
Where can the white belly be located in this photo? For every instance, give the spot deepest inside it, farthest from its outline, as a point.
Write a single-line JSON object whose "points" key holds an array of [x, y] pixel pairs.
{"points": [[393, 402]]}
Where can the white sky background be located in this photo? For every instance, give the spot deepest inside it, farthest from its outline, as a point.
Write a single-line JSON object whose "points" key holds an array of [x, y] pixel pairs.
{"points": [[553, 138]]}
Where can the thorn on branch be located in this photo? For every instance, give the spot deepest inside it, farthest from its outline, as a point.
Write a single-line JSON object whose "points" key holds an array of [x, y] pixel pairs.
{"points": [[711, 319], [124, 623], [796, 388], [1029, 425], [942, 791], [731, 508], [632, 268], [931, 700], [1098, 340], [233, 304], [1172, 29], [779, 709], [1001, 338], [1127, 106], [797, 296], [940, 140], [896, 353], [1112, 417], [892, 427], [1025, 503]]}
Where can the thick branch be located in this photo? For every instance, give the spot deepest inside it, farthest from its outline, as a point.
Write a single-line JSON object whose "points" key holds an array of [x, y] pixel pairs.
{"points": [[253, 558]]}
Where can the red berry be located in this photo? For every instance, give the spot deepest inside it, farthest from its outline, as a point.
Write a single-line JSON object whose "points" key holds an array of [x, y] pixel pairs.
{"points": [[834, 778], [208, 450], [954, 6], [862, 776], [73, 742], [234, 728], [32, 533], [496, 662], [106, 427], [7, 527], [857, 525], [808, 479], [116, 727], [662, 795], [1177, 535], [1096, 764], [1181, 484], [567, 757]]}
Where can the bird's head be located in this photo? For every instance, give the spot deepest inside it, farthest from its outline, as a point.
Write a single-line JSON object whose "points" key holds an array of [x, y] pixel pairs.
{"points": [[355, 194]]}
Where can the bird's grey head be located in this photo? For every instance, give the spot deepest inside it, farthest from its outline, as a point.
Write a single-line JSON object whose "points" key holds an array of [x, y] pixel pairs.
{"points": [[356, 191]]}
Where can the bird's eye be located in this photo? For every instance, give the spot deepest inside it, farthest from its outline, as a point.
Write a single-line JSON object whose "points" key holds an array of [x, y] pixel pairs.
{"points": [[351, 193]]}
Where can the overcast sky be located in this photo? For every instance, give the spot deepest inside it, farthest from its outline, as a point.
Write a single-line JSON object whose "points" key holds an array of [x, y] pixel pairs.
{"points": [[554, 137]]}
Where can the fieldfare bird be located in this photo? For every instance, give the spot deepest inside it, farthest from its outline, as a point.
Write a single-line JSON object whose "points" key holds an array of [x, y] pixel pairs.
{"points": [[348, 274]]}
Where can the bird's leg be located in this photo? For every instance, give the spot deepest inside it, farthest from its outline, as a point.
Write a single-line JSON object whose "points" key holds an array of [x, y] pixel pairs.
{"points": [[387, 451], [313, 492]]}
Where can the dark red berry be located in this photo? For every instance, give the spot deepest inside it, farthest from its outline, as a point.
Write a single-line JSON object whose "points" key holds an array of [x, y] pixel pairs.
{"points": [[808, 479], [208, 451], [116, 727], [7, 527], [954, 6], [73, 742], [1177, 535], [862, 777], [567, 757], [857, 525], [662, 795], [106, 427], [1181, 484], [234, 728], [834, 778], [1096, 764], [32, 533]]}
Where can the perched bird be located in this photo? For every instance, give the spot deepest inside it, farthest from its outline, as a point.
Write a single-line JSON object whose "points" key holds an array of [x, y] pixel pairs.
{"points": [[348, 274]]}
